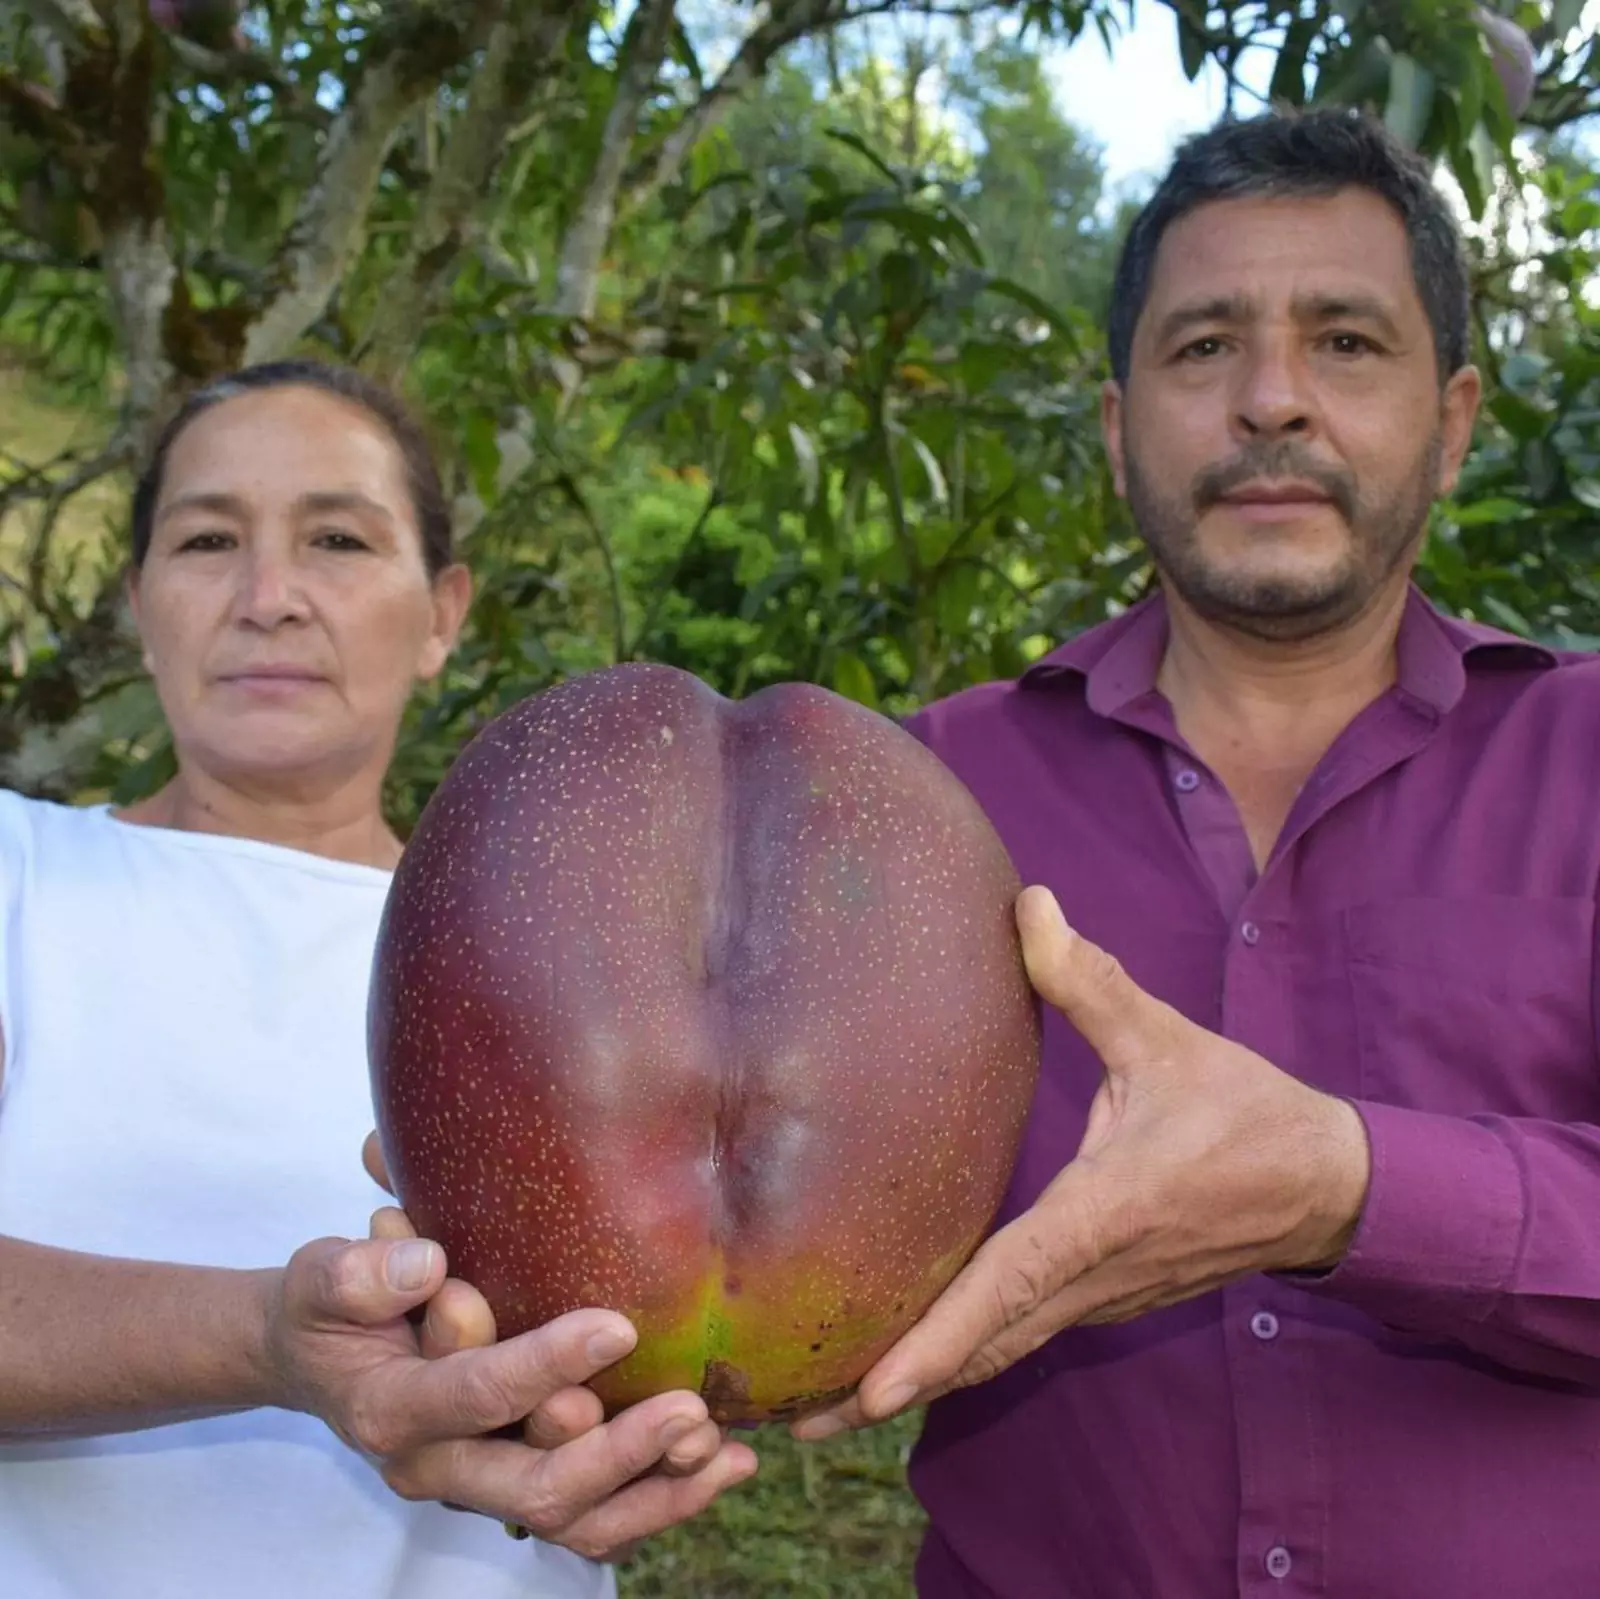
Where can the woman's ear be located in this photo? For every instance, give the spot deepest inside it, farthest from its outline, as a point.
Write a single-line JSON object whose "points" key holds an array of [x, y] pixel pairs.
{"points": [[452, 597]]}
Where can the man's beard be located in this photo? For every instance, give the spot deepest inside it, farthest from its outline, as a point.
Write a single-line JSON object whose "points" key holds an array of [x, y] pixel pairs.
{"points": [[1382, 535]]}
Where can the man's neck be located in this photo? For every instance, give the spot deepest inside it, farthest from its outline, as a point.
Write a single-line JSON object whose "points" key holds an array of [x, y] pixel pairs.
{"points": [[1261, 714], [1227, 675], [342, 823]]}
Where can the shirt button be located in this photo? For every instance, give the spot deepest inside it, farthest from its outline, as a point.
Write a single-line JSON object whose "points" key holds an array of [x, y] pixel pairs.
{"points": [[1279, 1562], [1188, 780], [1264, 1325], [1250, 933]]}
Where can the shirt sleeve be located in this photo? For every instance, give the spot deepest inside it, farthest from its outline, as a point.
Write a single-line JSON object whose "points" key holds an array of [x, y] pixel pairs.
{"points": [[1482, 1231]]}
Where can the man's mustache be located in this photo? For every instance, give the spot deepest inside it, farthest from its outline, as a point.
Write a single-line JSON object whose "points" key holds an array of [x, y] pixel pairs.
{"points": [[1274, 462]]}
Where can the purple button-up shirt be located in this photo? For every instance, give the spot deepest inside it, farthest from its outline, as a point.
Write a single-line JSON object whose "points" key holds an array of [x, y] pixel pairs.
{"points": [[1423, 1422]]}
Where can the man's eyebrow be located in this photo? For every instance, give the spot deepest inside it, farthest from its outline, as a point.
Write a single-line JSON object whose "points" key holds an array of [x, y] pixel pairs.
{"points": [[1216, 308], [1355, 307]]}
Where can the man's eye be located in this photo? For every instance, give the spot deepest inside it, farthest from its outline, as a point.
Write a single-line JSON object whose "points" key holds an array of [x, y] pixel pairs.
{"points": [[1202, 349], [1351, 343], [211, 540]]}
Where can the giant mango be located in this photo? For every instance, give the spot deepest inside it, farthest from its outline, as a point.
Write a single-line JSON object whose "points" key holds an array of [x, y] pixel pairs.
{"points": [[709, 1012]]}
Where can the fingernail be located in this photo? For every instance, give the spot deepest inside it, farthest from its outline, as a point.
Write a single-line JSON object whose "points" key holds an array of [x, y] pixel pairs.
{"points": [[409, 1265], [818, 1428], [611, 1344], [895, 1399]]}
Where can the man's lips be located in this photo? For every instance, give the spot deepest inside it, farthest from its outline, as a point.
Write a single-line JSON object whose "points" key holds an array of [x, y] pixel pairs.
{"points": [[1273, 502], [1277, 494]]}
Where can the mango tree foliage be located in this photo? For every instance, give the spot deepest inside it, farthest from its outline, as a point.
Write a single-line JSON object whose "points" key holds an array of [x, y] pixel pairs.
{"points": [[731, 363]]}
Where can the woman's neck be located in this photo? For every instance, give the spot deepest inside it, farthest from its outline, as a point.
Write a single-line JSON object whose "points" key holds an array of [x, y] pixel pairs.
{"points": [[344, 824]]}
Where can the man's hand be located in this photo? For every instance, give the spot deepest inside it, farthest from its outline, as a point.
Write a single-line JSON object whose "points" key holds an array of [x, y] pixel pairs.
{"points": [[423, 1403], [1201, 1163]]}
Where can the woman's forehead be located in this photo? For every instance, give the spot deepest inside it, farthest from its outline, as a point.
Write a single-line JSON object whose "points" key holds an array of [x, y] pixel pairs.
{"points": [[286, 442]]}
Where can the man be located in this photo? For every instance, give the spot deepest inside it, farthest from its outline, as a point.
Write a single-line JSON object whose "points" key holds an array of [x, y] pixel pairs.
{"points": [[1313, 1174]]}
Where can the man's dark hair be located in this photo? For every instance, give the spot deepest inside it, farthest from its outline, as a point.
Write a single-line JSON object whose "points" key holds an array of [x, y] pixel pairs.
{"points": [[422, 474], [1293, 153]]}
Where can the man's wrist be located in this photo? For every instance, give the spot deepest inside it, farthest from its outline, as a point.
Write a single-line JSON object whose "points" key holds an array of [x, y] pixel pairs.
{"points": [[1340, 1173]]}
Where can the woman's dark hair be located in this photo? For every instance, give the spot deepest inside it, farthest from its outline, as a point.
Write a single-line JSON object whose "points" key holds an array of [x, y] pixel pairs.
{"points": [[422, 475], [1292, 153]]}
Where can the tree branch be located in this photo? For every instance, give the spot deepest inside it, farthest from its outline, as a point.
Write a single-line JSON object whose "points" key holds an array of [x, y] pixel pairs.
{"points": [[567, 484], [44, 485], [643, 49], [330, 227], [783, 26], [73, 23], [518, 49]]}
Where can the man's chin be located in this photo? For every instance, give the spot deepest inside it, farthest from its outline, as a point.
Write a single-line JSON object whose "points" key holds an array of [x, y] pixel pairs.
{"points": [[1275, 610]]}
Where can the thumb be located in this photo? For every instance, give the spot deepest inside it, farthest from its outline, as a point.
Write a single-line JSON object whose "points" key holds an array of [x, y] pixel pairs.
{"points": [[368, 1283], [1085, 983]]}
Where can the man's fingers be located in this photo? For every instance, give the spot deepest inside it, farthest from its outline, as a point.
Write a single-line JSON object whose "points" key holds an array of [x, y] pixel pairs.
{"points": [[1015, 1273], [847, 1415], [1086, 984], [372, 1159], [458, 1317]]}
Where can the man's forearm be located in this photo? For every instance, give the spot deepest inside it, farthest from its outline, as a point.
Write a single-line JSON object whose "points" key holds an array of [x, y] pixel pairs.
{"points": [[93, 1345]]}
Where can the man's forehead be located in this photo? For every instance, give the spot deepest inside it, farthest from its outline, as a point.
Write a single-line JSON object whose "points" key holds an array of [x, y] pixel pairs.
{"points": [[1342, 243]]}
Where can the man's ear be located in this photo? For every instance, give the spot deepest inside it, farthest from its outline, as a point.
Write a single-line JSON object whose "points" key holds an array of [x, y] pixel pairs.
{"points": [[452, 598], [1458, 411], [1111, 405]]}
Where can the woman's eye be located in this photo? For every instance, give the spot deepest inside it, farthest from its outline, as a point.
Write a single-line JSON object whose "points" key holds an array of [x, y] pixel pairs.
{"points": [[210, 540], [338, 538]]}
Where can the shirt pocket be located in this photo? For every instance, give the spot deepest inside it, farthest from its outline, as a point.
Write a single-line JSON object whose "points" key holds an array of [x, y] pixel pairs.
{"points": [[1477, 1005]]}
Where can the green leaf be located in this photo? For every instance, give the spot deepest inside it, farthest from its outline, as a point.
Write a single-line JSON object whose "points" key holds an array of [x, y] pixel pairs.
{"points": [[852, 677], [1523, 369], [805, 454], [1480, 513], [1289, 72], [1586, 491], [1192, 49], [1355, 77], [1411, 88], [1041, 308], [855, 142], [937, 486], [1506, 616], [1518, 416], [481, 448], [1565, 15]]}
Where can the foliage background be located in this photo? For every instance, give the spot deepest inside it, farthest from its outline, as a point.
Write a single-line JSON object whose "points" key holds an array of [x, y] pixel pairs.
{"points": [[764, 341]]}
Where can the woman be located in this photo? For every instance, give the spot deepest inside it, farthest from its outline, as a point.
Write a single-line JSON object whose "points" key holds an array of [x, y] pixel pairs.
{"points": [[182, 1008]]}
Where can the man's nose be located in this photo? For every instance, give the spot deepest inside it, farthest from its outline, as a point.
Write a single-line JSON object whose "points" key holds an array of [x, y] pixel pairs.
{"points": [[1273, 399]]}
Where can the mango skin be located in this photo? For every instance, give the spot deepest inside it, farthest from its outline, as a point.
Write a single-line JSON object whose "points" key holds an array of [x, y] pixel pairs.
{"points": [[711, 1013]]}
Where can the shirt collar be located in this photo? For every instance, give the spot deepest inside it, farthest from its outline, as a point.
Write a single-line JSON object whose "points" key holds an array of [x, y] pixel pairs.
{"points": [[1118, 662]]}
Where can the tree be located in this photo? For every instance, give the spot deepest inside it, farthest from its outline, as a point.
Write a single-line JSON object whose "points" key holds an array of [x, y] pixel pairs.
{"points": [[766, 397]]}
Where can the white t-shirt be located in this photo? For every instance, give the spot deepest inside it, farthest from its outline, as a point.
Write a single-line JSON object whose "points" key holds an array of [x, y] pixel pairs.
{"points": [[185, 1080]]}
